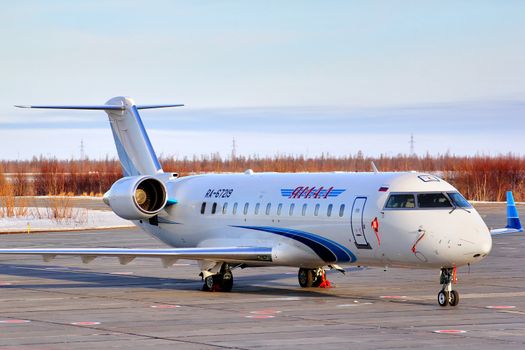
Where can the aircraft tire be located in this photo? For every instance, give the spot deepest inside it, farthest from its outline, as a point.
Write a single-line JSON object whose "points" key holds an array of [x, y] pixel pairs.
{"points": [[208, 283], [226, 283], [443, 298], [305, 277], [453, 298], [317, 279]]}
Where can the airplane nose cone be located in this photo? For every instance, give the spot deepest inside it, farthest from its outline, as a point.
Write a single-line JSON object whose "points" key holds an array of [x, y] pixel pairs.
{"points": [[486, 246]]}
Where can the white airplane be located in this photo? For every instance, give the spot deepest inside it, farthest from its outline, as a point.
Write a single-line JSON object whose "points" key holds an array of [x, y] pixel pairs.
{"points": [[310, 221]]}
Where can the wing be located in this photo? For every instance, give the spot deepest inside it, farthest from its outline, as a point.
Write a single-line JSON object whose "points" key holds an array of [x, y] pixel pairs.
{"points": [[513, 219], [167, 256]]}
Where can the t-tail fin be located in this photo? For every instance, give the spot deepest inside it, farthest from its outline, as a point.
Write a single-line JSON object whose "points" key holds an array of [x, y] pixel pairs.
{"points": [[513, 219], [133, 145]]}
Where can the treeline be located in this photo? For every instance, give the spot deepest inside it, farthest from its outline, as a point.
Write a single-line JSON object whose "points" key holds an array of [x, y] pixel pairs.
{"points": [[477, 177]]}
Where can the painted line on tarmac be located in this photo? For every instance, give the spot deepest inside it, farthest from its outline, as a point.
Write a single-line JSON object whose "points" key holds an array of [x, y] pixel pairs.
{"points": [[260, 317], [85, 323], [14, 321], [164, 306], [266, 312], [450, 331]]}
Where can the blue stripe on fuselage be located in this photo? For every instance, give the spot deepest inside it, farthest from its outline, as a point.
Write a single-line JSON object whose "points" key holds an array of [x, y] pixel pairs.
{"points": [[325, 248]]}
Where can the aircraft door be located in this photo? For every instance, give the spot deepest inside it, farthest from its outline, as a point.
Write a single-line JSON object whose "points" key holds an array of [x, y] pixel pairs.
{"points": [[357, 223]]}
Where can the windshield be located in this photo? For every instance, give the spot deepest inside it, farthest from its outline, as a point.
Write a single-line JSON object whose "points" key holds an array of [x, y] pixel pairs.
{"points": [[459, 200], [398, 201], [433, 200]]}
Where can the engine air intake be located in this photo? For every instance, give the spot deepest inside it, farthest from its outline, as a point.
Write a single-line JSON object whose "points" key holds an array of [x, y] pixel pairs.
{"points": [[137, 197], [150, 195]]}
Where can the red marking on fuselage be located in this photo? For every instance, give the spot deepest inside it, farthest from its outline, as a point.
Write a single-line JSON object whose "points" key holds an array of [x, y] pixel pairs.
{"points": [[417, 241], [375, 227], [309, 192], [296, 192], [328, 192], [305, 189], [318, 192]]}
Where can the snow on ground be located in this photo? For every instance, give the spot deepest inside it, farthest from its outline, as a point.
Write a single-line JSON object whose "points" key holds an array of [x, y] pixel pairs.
{"points": [[41, 219]]}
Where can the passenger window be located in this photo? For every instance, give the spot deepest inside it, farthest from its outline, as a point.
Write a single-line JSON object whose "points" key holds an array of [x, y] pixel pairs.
{"points": [[257, 206], [246, 205], [203, 207], [401, 201], [304, 209], [213, 207], [329, 210], [234, 208], [279, 208], [268, 208], [316, 210], [292, 206], [342, 210], [225, 207], [433, 200]]}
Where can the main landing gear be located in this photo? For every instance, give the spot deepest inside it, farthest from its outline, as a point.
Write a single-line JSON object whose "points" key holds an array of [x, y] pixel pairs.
{"points": [[219, 282], [448, 296], [313, 278]]}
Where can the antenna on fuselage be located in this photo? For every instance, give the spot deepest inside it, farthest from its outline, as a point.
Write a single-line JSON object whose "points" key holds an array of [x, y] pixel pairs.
{"points": [[374, 168]]}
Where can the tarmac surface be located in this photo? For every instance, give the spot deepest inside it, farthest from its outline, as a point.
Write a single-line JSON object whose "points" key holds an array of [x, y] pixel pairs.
{"points": [[65, 304]]}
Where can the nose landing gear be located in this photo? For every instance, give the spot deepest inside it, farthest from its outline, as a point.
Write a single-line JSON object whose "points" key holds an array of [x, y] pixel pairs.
{"points": [[448, 296]]}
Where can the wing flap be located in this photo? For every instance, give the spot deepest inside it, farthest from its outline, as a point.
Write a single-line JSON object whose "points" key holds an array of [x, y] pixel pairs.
{"points": [[229, 254]]}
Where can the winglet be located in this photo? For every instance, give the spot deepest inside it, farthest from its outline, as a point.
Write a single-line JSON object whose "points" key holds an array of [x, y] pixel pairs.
{"points": [[513, 219]]}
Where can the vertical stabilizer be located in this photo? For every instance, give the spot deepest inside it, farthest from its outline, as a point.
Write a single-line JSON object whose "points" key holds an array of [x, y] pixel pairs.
{"points": [[513, 219], [133, 145]]}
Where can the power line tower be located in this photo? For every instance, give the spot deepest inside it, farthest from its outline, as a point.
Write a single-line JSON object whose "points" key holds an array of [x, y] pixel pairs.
{"points": [[412, 142], [82, 152], [234, 150]]}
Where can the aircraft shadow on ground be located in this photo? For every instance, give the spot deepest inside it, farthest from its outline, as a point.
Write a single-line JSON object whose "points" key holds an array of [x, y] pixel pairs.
{"points": [[264, 284]]}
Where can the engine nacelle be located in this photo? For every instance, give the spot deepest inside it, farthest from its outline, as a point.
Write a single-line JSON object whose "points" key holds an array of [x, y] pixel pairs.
{"points": [[137, 197]]}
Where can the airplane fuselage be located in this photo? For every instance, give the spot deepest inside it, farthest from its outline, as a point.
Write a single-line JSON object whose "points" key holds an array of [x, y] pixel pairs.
{"points": [[317, 219]]}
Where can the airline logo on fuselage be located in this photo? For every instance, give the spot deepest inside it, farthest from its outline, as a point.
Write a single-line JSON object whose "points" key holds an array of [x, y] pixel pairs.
{"points": [[307, 192]]}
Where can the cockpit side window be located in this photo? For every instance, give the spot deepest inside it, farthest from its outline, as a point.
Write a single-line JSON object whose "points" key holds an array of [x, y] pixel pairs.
{"points": [[401, 201], [459, 200], [433, 200]]}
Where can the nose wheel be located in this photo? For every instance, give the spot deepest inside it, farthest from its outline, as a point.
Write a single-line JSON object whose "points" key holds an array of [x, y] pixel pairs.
{"points": [[447, 295]]}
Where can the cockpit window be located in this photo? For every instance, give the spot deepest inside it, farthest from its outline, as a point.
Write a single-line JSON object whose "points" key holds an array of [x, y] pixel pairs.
{"points": [[401, 201], [459, 200], [433, 200]]}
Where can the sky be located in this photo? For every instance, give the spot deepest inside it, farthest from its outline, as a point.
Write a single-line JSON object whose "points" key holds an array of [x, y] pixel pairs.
{"points": [[281, 77]]}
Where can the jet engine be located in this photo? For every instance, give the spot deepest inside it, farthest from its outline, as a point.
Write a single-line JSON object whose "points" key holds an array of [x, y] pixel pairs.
{"points": [[137, 197]]}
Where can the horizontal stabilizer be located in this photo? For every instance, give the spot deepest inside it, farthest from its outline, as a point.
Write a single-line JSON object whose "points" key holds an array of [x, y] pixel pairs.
{"points": [[158, 106], [101, 107], [225, 254], [513, 219], [94, 108]]}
